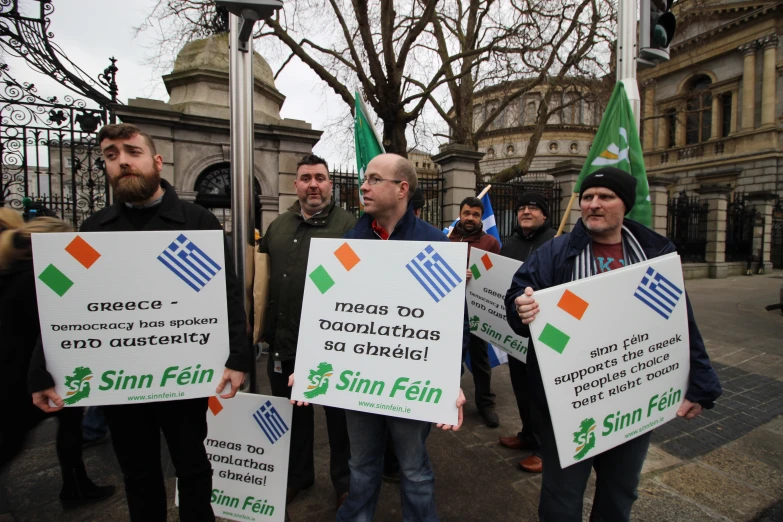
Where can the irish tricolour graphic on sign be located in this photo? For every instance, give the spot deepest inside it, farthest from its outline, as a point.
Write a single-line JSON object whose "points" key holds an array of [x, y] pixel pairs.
{"points": [[55, 279], [322, 278]]}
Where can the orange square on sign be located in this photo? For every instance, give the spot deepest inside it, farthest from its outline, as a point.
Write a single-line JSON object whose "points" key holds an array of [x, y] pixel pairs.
{"points": [[82, 252], [214, 405], [573, 304], [347, 256]]}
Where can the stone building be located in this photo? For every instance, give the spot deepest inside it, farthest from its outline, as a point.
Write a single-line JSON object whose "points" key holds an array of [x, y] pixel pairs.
{"points": [[567, 135], [191, 132], [711, 120]]}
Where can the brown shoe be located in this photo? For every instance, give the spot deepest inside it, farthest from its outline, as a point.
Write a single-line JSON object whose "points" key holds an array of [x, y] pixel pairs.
{"points": [[532, 464], [341, 497], [513, 442]]}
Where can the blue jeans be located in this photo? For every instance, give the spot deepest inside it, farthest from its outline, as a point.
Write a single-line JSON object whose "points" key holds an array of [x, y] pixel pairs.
{"points": [[94, 425], [617, 476], [367, 433]]}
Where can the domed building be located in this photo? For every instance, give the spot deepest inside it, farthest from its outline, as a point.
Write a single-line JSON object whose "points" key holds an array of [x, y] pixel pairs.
{"points": [[191, 132], [567, 135]]}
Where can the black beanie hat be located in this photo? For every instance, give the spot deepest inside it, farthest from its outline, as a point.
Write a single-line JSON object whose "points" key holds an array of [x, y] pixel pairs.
{"points": [[534, 198], [616, 180], [418, 199]]}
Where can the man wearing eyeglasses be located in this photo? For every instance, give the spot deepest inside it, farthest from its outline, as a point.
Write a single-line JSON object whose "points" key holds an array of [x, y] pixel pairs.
{"points": [[389, 183], [533, 230]]}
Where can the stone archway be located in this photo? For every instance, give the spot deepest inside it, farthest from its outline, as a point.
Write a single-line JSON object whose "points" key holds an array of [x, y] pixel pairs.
{"points": [[213, 191]]}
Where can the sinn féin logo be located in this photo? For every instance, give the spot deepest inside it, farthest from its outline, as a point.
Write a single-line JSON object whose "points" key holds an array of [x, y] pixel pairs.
{"points": [[319, 380], [474, 323], [78, 385], [585, 438]]}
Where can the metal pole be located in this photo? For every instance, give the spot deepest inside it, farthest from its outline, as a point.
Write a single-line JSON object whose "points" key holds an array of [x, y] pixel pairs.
{"points": [[627, 52], [242, 137]]}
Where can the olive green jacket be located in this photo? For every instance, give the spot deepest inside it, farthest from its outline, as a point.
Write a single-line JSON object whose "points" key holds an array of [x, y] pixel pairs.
{"points": [[287, 241]]}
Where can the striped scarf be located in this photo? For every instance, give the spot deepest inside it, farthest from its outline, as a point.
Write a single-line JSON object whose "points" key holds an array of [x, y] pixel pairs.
{"points": [[585, 263]]}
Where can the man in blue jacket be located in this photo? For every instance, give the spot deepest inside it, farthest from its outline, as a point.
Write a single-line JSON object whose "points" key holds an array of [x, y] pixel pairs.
{"points": [[601, 240], [389, 183]]}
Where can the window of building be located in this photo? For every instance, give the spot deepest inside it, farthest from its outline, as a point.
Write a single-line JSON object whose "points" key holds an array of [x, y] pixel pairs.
{"points": [[725, 126], [698, 117], [531, 113]]}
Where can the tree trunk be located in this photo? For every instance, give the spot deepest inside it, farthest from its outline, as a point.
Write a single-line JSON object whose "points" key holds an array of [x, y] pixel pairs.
{"points": [[394, 139]]}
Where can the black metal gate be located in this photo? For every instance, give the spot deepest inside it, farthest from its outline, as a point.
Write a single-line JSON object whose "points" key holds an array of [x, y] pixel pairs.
{"points": [[504, 200], [686, 226], [777, 235], [740, 220], [48, 151]]}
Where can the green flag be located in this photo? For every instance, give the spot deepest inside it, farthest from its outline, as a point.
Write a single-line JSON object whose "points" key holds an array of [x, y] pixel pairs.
{"points": [[368, 145], [617, 145]]}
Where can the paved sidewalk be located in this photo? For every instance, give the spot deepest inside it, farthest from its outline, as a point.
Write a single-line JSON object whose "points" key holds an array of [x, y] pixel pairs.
{"points": [[726, 465]]}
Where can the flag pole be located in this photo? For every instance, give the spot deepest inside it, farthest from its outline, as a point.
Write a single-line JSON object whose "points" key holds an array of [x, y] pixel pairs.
{"points": [[481, 195], [565, 214]]}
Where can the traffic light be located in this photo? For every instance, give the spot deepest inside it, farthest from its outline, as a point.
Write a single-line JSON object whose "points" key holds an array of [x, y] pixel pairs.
{"points": [[656, 31]]}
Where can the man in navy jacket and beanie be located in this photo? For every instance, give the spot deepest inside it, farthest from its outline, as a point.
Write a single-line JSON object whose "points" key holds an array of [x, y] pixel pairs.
{"points": [[601, 240], [389, 183]]}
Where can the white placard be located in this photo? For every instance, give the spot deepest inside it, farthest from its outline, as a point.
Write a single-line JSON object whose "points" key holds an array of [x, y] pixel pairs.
{"points": [[248, 441], [381, 327], [486, 291], [614, 355], [132, 317]]}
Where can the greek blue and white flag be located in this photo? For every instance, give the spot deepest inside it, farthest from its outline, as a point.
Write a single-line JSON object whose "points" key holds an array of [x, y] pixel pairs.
{"points": [[270, 422], [658, 293], [433, 273], [487, 220], [189, 263]]}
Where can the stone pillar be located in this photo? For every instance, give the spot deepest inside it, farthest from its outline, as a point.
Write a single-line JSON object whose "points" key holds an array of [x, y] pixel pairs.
{"points": [[679, 127], [290, 154], [734, 111], [765, 204], [458, 168], [717, 199], [565, 175], [768, 79], [716, 118], [663, 132], [647, 113], [748, 85], [659, 198]]}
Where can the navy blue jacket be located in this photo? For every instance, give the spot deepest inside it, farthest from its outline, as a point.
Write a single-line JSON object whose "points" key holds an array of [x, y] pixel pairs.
{"points": [[553, 264], [410, 228]]}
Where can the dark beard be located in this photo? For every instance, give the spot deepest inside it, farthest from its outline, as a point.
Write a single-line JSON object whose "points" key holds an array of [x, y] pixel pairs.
{"points": [[135, 187]]}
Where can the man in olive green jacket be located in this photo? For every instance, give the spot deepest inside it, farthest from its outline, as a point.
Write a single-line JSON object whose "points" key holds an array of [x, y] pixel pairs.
{"points": [[287, 241]]}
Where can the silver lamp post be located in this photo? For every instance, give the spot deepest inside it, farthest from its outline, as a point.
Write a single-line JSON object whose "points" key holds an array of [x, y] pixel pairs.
{"points": [[243, 16]]}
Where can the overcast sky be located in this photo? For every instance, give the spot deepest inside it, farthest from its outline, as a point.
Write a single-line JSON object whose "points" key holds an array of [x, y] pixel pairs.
{"points": [[90, 31]]}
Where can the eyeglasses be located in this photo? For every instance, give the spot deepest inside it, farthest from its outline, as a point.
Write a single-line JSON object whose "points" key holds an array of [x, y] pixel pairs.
{"points": [[374, 180]]}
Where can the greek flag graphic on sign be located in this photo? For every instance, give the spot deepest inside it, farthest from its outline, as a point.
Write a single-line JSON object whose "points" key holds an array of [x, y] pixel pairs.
{"points": [[189, 263], [658, 293], [271, 422], [433, 274]]}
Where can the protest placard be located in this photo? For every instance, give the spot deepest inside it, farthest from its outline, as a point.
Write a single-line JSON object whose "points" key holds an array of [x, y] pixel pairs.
{"points": [[614, 355], [381, 327], [248, 440], [486, 290], [132, 317]]}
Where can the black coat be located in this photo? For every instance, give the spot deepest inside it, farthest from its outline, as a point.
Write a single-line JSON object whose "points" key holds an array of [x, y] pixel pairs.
{"points": [[520, 247], [172, 214], [19, 329]]}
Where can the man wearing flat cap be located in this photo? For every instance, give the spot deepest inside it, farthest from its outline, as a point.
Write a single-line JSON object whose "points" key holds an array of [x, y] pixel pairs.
{"points": [[601, 240], [533, 230]]}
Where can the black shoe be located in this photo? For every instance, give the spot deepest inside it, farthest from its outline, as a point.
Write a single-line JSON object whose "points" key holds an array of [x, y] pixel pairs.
{"points": [[79, 490], [490, 417]]}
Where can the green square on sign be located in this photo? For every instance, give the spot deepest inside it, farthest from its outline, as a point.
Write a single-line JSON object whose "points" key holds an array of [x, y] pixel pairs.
{"points": [[56, 280], [554, 338], [475, 271], [323, 281]]}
